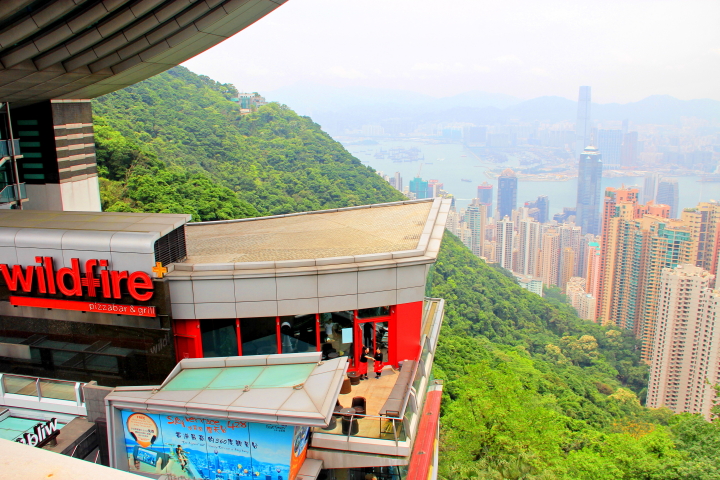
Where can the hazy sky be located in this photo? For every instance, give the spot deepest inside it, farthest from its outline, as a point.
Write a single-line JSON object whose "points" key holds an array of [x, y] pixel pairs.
{"points": [[626, 50]]}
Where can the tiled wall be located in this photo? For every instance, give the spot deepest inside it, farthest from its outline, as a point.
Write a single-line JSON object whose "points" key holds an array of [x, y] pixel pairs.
{"points": [[199, 297]]}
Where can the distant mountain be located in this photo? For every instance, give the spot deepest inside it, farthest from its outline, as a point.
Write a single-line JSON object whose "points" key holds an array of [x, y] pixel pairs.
{"points": [[658, 109], [307, 98], [341, 108]]}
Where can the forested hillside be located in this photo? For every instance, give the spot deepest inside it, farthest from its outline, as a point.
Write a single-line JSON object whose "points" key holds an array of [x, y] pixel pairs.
{"points": [[176, 143], [533, 392]]}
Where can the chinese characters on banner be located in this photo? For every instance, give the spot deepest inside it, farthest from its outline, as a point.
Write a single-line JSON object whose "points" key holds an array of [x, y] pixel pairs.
{"points": [[196, 448]]}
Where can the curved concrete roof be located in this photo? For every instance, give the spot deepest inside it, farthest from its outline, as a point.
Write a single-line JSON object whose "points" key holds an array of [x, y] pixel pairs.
{"points": [[87, 48]]}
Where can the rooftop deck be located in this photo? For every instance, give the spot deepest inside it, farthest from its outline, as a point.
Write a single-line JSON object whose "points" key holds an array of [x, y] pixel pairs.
{"points": [[336, 233]]}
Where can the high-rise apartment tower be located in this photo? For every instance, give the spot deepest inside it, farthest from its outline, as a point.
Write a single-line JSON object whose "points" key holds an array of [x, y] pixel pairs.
{"points": [[685, 361]]}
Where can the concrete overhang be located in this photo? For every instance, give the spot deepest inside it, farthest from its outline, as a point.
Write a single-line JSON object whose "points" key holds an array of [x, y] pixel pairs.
{"points": [[79, 49]]}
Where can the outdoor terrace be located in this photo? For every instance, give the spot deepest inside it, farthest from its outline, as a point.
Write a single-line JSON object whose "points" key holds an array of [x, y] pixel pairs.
{"points": [[393, 402]]}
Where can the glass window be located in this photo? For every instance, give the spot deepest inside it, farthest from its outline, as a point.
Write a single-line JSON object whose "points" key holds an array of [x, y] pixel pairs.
{"points": [[33, 176], [336, 334], [374, 312], [219, 338], [298, 334], [27, 122], [32, 154], [258, 335]]}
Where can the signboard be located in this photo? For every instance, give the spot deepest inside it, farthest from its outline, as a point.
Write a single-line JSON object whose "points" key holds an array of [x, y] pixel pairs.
{"points": [[71, 282], [82, 306], [217, 449], [42, 434], [96, 281]]}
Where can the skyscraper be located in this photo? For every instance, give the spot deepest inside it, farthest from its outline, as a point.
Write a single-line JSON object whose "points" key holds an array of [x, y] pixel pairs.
{"points": [[582, 126], [398, 181], [485, 196], [507, 193], [419, 188], [705, 223], [667, 193], [529, 237], [505, 239], [685, 360], [610, 146], [587, 209], [650, 187], [539, 209], [629, 149], [475, 216], [550, 257]]}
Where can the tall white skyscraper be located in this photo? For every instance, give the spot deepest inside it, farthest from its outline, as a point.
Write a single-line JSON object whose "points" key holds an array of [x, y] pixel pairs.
{"points": [[504, 247], [528, 252], [475, 217], [582, 127], [684, 360]]}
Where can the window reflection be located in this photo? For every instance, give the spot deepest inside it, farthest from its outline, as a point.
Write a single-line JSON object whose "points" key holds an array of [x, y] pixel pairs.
{"points": [[219, 338], [259, 336], [337, 334], [297, 334]]}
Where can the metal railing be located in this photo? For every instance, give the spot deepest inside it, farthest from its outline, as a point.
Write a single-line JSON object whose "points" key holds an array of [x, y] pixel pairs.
{"points": [[40, 388], [9, 193], [366, 426], [5, 150]]}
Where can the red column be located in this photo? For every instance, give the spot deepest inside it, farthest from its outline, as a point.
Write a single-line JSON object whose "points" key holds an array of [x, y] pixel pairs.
{"points": [[277, 334], [188, 342], [404, 332]]}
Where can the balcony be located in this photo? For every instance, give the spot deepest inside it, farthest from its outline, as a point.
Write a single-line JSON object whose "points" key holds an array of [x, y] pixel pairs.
{"points": [[384, 429], [9, 193]]}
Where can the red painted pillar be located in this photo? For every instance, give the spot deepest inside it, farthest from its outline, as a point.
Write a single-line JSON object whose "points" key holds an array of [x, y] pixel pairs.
{"points": [[404, 332], [188, 341]]}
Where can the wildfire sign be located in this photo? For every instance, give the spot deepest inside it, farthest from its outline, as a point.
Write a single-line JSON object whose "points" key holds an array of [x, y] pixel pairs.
{"points": [[71, 282]]}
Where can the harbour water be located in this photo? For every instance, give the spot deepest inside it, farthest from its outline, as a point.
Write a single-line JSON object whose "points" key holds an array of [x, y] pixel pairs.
{"points": [[452, 165]]}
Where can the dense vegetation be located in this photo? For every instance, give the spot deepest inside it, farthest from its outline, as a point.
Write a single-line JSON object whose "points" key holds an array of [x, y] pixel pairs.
{"points": [[176, 143], [533, 392]]}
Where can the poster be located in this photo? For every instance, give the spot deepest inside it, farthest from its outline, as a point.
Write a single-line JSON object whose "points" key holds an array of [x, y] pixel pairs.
{"points": [[197, 448]]}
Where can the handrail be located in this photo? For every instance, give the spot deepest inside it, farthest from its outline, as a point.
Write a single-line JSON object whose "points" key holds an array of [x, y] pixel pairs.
{"points": [[30, 377], [10, 192], [39, 381]]}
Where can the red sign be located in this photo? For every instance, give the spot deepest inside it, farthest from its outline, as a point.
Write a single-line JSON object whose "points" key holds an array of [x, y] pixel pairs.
{"points": [[82, 306], [70, 281]]}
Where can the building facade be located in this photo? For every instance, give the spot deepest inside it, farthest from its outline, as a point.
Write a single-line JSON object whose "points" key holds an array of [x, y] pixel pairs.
{"points": [[583, 135], [685, 362], [120, 298], [587, 210], [507, 194]]}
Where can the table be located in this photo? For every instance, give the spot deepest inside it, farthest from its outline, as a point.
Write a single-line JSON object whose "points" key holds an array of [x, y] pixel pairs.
{"points": [[349, 422]]}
